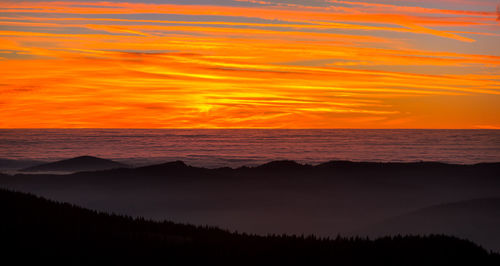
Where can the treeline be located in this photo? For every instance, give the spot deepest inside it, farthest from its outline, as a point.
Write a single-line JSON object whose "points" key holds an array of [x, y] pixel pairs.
{"points": [[36, 231]]}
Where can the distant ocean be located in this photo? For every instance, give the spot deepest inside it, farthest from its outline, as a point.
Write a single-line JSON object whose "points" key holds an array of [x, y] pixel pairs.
{"points": [[227, 147]]}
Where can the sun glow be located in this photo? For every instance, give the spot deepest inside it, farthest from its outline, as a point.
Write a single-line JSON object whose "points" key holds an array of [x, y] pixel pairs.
{"points": [[245, 64]]}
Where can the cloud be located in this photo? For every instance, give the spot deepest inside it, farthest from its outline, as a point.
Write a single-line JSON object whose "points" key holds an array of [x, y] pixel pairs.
{"points": [[498, 12], [113, 64], [269, 13]]}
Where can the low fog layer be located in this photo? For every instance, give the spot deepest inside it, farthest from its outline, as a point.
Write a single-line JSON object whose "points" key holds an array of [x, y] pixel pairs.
{"points": [[285, 197]]}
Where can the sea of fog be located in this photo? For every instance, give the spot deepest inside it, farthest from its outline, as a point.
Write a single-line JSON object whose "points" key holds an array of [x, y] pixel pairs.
{"points": [[237, 147]]}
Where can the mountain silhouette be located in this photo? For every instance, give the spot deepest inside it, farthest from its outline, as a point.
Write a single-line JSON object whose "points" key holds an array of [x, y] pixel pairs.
{"points": [[17, 164], [477, 220], [282, 197], [36, 231], [82, 163], [283, 166]]}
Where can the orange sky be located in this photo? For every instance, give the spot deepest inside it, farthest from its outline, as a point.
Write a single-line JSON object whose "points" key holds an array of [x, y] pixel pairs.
{"points": [[250, 64]]}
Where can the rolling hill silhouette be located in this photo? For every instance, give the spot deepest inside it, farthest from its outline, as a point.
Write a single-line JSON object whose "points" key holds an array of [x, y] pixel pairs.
{"points": [[332, 198], [11, 164], [81, 163], [477, 220], [37, 231]]}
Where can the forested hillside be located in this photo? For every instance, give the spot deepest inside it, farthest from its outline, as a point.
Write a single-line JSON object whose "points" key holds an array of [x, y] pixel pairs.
{"points": [[36, 231]]}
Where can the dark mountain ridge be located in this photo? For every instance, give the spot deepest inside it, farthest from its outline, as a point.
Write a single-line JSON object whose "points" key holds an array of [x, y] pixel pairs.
{"points": [[432, 172], [81, 163], [465, 219], [39, 231], [286, 167], [12, 164], [278, 197]]}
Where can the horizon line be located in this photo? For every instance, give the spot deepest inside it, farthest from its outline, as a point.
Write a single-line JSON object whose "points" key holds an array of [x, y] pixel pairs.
{"points": [[234, 128]]}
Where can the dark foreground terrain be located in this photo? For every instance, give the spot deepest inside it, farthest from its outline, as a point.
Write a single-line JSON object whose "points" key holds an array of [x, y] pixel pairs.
{"points": [[36, 231], [284, 197], [81, 163]]}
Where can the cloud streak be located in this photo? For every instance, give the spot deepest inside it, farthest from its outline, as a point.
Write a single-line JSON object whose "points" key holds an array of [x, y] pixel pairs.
{"points": [[346, 64]]}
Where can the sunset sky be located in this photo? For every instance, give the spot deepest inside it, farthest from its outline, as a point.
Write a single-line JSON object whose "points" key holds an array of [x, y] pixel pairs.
{"points": [[250, 64]]}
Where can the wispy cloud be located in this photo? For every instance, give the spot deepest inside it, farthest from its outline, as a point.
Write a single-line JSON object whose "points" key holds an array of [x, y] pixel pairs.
{"points": [[261, 64]]}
